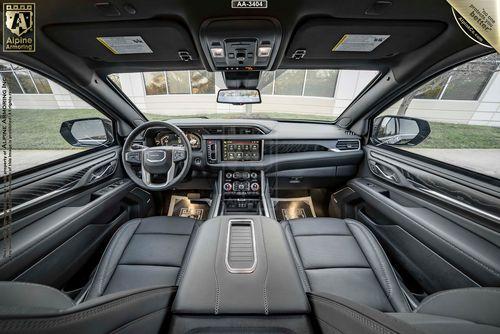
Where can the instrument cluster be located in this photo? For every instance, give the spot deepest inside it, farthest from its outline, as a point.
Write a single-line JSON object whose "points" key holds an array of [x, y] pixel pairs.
{"points": [[171, 139]]}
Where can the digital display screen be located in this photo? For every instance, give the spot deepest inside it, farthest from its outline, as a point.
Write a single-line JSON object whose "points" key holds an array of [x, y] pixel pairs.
{"points": [[241, 150]]}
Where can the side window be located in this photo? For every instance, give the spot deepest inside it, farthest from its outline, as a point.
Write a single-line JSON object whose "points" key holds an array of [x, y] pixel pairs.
{"points": [[454, 118], [48, 122]]}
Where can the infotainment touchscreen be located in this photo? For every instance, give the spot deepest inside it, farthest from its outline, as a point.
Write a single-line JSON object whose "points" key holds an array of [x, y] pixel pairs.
{"points": [[241, 150]]}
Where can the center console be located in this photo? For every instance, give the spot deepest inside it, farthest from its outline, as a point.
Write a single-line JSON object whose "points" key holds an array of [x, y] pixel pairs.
{"points": [[241, 191], [241, 265]]}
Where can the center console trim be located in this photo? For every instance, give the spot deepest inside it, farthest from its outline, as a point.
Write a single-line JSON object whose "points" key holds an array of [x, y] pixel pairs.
{"points": [[250, 269]]}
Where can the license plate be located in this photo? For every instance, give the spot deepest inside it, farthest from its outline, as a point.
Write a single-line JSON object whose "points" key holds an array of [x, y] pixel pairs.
{"points": [[249, 3]]}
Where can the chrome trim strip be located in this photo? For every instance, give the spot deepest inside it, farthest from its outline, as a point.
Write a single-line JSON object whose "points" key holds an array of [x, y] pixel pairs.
{"points": [[218, 195], [459, 203], [254, 265], [37, 200], [263, 188]]}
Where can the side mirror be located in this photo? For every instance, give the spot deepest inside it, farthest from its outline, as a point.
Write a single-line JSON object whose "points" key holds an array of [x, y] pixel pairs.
{"points": [[87, 132], [399, 130], [239, 96]]}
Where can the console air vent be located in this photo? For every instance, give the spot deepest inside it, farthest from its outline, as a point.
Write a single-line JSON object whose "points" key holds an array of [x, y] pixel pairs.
{"points": [[240, 253], [347, 145], [277, 148], [235, 130], [349, 133]]}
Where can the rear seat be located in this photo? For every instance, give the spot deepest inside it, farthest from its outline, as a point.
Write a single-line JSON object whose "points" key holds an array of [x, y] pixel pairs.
{"points": [[343, 258]]}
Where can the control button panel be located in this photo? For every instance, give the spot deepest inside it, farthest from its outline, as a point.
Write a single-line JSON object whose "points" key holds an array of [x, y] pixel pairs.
{"points": [[212, 151], [241, 184]]}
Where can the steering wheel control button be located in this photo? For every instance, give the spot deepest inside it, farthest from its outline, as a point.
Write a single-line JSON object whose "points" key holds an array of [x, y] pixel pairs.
{"points": [[179, 155], [133, 157]]}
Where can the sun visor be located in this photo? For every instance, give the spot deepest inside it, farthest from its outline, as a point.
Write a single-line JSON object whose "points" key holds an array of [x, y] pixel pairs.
{"points": [[323, 39], [126, 41]]}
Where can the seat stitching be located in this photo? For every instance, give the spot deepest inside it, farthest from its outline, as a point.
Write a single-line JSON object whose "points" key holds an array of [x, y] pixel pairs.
{"points": [[148, 265], [442, 293], [379, 251], [162, 233], [298, 261], [187, 252], [326, 268], [130, 323], [266, 302], [79, 315], [359, 317], [107, 258], [106, 268], [385, 276], [322, 234], [217, 285]]}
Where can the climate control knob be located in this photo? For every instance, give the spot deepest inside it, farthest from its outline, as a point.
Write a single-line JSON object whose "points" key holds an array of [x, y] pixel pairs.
{"points": [[228, 186], [229, 175], [253, 175], [255, 186]]}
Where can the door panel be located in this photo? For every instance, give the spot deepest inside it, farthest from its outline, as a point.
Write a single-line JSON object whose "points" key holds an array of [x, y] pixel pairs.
{"points": [[441, 232], [62, 215]]}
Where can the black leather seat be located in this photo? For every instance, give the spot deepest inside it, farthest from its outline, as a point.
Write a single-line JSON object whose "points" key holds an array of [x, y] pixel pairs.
{"points": [[144, 253], [343, 258]]}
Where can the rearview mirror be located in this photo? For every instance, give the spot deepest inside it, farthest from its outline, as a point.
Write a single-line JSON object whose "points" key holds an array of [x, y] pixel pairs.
{"points": [[239, 96], [399, 130], [87, 132]]}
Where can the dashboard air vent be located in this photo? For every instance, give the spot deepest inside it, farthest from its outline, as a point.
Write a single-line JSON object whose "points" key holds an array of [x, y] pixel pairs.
{"points": [[349, 133], [347, 145], [234, 130]]}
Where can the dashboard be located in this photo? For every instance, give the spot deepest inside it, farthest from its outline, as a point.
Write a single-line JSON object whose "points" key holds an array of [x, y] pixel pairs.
{"points": [[261, 144]]}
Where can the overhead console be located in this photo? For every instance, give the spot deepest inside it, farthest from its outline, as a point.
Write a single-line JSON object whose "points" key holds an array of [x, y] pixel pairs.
{"points": [[240, 44]]}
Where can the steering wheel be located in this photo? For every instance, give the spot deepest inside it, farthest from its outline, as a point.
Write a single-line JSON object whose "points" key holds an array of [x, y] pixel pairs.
{"points": [[156, 161]]}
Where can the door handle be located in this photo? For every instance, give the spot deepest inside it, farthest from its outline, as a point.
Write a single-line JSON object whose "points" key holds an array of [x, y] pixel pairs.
{"points": [[102, 172], [384, 172]]}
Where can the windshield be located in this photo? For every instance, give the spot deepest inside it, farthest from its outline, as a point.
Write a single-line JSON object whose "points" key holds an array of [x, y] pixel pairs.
{"points": [[317, 95]]}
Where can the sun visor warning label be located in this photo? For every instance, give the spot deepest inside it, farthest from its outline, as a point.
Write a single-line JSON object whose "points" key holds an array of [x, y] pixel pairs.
{"points": [[121, 45], [359, 43]]}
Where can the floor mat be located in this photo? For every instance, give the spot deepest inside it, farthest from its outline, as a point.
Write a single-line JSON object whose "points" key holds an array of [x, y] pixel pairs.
{"points": [[293, 208], [182, 206]]}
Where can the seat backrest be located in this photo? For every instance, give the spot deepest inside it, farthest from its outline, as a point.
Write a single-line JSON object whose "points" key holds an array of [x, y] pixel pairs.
{"points": [[32, 308]]}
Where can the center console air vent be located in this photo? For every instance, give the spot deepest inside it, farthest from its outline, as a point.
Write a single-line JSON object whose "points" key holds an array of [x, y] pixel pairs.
{"points": [[347, 145], [240, 251], [277, 148], [235, 130]]}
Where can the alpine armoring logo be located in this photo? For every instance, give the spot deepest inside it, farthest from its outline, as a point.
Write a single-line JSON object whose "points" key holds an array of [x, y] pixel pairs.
{"points": [[19, 27]]}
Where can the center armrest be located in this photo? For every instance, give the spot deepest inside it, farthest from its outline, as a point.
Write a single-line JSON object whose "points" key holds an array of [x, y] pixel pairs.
{"points": [[240, 265]]}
